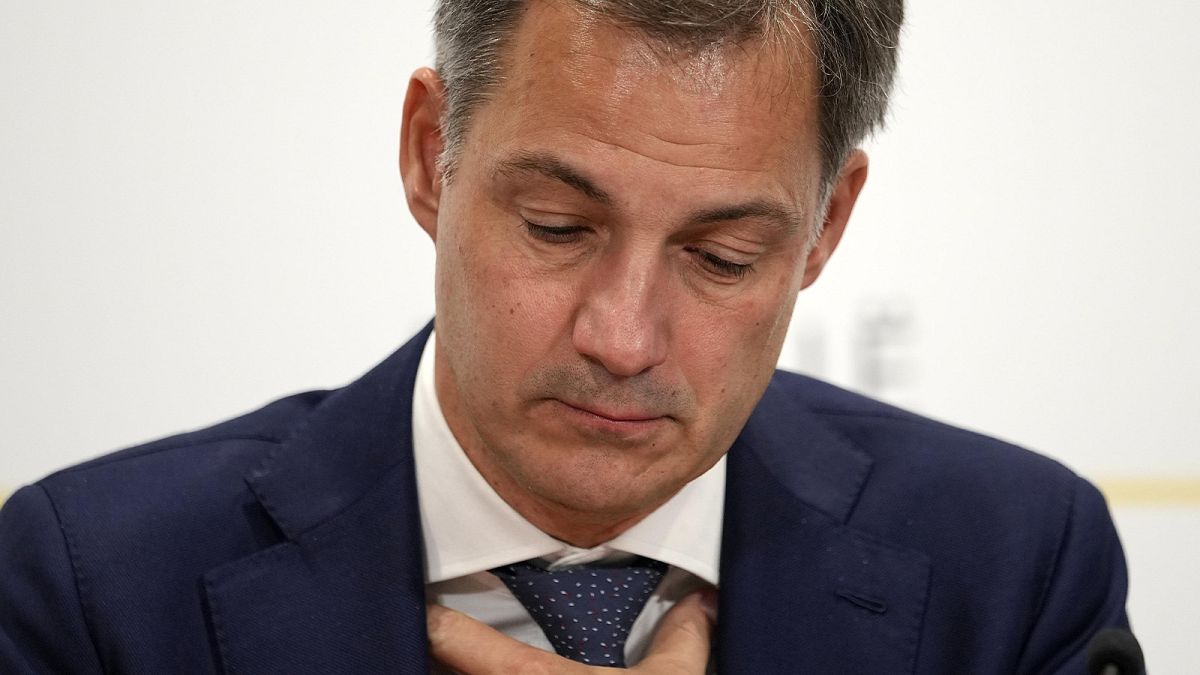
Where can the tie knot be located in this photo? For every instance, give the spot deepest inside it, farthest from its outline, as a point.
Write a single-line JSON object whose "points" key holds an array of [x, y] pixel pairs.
{"points": [[586, 612]]}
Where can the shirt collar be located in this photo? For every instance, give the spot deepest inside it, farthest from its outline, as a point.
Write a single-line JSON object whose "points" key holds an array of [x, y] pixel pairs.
{"points": [[468, 528]]}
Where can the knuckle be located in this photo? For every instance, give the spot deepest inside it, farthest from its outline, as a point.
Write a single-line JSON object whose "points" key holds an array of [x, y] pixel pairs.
{"points": [[443, 625]]}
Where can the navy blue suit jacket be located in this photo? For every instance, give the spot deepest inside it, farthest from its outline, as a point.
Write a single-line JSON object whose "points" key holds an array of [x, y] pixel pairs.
{"points": [[858, 539]]}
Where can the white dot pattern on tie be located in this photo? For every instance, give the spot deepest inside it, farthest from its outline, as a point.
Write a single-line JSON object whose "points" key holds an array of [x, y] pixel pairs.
{"points": [[586, 612]]}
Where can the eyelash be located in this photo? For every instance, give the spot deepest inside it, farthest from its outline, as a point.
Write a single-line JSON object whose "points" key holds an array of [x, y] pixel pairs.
{"points": [[722, 266], [566, 235], [553, 235]]}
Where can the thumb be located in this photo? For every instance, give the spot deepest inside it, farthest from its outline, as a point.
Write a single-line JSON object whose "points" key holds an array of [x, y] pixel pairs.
{"points": [[684, 636]]}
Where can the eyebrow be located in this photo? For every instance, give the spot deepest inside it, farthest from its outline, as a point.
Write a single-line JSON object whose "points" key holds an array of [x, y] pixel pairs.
{"points": [[552, 167], [785, 219]]}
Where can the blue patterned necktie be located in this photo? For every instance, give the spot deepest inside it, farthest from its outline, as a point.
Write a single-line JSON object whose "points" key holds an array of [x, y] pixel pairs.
{"points": [[585, 611]]}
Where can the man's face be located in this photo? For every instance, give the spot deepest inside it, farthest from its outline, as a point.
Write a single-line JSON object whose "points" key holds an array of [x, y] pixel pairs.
{"points": [[618, 255]]}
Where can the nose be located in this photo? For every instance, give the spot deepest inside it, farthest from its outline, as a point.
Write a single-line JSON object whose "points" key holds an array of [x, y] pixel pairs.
{"points": [[622, 321]]}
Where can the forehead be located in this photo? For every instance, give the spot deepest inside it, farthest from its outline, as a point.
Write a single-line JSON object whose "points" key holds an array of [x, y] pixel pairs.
{"points": [[571, 74]]}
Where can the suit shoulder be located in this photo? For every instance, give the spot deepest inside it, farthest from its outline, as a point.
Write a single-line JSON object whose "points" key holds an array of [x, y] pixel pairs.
{"points": [[832, 402], [269, 424], [181, 473], [936, 487], [180, 502], [124, 537], [916, 444]]}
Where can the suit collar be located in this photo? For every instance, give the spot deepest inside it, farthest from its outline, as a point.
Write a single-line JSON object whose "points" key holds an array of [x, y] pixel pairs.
{"points": [[812, 461], [346, 589], [348, 443], [799, 584]]}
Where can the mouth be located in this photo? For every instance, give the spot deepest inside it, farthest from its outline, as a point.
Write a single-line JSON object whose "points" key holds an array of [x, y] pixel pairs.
{"points": [[614, 414], [626, 423]]}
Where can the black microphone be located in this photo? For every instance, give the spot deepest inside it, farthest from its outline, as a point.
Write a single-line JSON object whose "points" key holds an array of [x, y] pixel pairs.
{"points": [[1114, 651]]}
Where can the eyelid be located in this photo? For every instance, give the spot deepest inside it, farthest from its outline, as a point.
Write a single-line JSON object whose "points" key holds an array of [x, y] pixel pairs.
{"points": [[551, 215], [720, 266], [553, 234]]}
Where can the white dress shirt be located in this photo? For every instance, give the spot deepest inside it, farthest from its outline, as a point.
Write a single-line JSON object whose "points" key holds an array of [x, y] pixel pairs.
{"points": [[468, 529]]}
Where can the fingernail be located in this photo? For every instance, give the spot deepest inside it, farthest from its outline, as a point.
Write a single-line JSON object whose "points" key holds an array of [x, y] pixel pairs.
{"points": [[708, 601]]}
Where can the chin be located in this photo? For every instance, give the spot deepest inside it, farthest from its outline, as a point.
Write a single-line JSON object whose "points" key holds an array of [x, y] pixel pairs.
{"points": [[608, 505], [603, 487]]}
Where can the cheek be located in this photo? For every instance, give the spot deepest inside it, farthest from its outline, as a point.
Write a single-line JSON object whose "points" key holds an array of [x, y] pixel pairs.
{"points": [[509, 319], [767, 316], [731, 355]]}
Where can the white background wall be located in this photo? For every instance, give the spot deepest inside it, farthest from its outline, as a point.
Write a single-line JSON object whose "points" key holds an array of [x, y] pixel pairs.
{"points": [[200, 211]]}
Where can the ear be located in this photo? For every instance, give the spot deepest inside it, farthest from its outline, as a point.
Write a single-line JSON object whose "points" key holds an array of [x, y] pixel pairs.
{"points": [[841, 202], [421, 145]]}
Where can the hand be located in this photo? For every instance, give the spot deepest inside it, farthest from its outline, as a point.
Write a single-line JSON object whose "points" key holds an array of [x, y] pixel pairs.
{"points": [[680, 646]]}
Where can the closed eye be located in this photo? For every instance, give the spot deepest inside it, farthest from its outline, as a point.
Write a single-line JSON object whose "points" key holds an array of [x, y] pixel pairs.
{"points": [[554, 235], [721, 266]]}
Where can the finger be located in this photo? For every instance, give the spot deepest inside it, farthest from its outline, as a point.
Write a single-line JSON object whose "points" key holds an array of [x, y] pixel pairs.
{"points": [[474, 648], [684, 636]]}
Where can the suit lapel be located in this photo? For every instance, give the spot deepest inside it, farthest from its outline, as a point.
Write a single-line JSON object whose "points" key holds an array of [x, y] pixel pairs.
{"points": [[345, 591], [799, 587]]}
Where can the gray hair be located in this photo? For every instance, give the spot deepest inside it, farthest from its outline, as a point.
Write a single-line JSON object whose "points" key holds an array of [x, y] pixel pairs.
{"points": [[855, 43]]}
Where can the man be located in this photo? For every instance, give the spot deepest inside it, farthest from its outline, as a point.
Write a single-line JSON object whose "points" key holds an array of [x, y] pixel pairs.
{"points": [[626, 198]]}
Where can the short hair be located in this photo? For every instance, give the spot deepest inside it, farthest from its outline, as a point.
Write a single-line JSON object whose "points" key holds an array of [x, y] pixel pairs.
{"points": [[855, 43]]}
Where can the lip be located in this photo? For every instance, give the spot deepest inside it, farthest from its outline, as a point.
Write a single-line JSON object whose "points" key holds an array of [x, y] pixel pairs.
{"points": [[625, 424], [613, 415]]}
